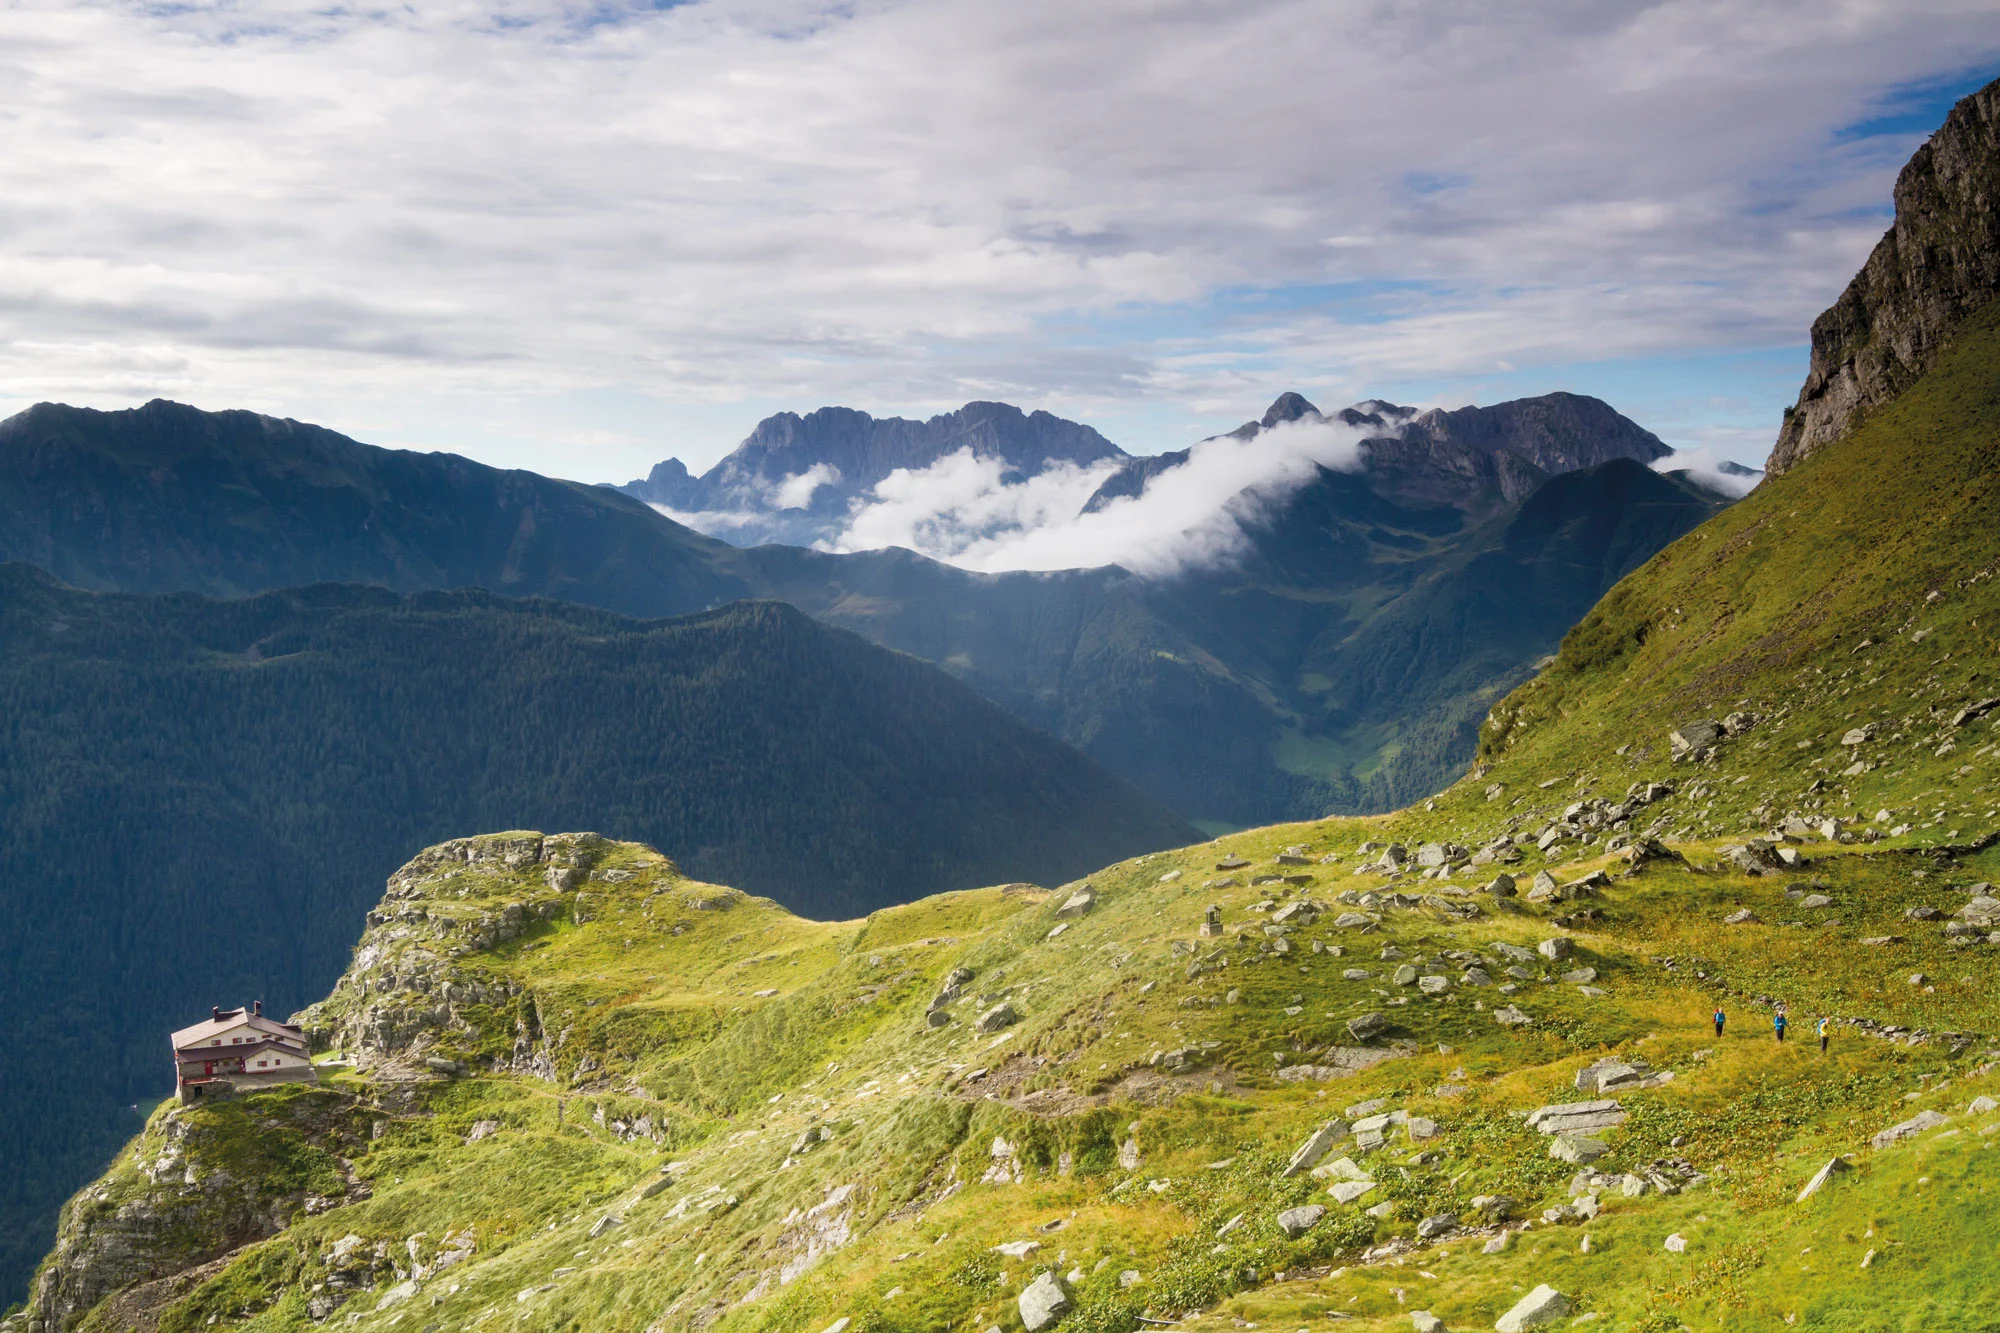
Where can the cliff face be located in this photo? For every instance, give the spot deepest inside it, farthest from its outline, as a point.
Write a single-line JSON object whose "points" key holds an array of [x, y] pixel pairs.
{"points": [[1937, 264]]}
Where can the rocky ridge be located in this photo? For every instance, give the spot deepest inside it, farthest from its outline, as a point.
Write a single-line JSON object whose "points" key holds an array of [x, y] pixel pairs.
{"points": [[1938, 263]]}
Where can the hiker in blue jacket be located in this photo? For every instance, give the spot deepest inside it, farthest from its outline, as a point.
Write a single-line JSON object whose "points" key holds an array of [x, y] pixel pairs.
{"points": [[1778, 1022], [1720, 1019]]}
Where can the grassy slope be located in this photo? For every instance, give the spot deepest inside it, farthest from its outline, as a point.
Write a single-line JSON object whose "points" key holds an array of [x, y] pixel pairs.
{"points": [[1763, 609]]}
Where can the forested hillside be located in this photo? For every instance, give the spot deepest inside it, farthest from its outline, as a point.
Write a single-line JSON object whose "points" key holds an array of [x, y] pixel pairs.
{"points": [[199, 799]]}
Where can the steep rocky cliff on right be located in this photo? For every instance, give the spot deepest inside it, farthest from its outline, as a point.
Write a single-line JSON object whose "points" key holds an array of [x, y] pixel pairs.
{"points": [[1937, 264]]}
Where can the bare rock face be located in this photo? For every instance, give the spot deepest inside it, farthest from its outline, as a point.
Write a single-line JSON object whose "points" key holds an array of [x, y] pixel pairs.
{"points": [[1936, 265]]}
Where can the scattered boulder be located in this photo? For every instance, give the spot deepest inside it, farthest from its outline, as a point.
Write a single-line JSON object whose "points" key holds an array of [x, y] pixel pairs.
{"points": [[1316, 1146], [1753, 857], [1555, 950], [1860, 735], [1577, 1149], [1405, 975], [1577, 1117], [1340, 1168], [1610, 1073], [1433, 985], [1438, 1225], [1366, 1027], [1539, 1308], [1982, 1105], [1909, 1129], [1500, 886], [1079, 903], [1493, 1207], [1693, 738], [1295, 1222], [1347, 1191], [1833, 1167], [1423, 1321], [1511, 1017], [1742, 916], [999, 1016], [1677, 1243], [482, 1129], [1043, 1302]]}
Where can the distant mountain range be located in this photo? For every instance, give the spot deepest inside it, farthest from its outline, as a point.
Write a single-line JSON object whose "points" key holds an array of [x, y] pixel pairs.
{"points": [[793, 479], [796, 480], [1339, 662]]}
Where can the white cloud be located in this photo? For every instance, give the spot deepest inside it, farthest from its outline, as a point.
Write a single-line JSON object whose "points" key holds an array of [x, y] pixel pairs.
{"points": [[1705, 464], [796, 491], [1192, 516], [903, 205]]}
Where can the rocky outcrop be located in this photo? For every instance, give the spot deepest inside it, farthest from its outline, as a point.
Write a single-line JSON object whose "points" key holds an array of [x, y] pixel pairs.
{"points": [[412, 987], [1936, 265], [199, 1184]]}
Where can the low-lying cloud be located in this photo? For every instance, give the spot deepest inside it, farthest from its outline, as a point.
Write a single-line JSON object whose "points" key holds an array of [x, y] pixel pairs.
{"points": [[1711, 468], [1196, 515]]}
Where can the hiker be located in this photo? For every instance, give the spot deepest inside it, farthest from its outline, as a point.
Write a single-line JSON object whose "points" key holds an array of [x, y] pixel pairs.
{"points": [[1720, 1019], [1778, 1022], [1821, 1026]]}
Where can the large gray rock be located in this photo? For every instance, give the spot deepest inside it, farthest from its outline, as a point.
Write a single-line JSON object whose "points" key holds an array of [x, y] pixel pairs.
{"points": [[1295, 1222], [1609, 1074], [1423, 1321], [1439, 1225], [1316, 1146], [1834, 1166], [1910, 1128], [1691, 736], [1347, 1191], [1578, 1149], [999, 1016], [1043, 1303], [1539, 1308], [1577, 1117], [1079, 903], [1511, 1017], [1555, 950], [1366, 1027]]}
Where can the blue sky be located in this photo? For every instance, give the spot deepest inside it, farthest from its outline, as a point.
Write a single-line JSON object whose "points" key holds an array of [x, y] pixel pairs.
{"points": [[583, 238]]}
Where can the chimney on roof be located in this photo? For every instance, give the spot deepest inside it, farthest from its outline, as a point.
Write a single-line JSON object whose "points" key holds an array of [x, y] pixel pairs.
{"points": [[257, 1008], [215, 1013]]}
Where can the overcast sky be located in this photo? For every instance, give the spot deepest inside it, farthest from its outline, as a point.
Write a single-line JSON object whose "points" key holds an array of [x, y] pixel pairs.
{"points": [[582, 238]]}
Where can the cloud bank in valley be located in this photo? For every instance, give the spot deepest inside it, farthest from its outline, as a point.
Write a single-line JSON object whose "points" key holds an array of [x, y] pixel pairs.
{"points": [[1713, 468], [961, 511]]}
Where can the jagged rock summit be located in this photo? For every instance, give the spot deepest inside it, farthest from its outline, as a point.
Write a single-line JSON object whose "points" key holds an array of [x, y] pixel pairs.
{"points": [[1938, 263]]}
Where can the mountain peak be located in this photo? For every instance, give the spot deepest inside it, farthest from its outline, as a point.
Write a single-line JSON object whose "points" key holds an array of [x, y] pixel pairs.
{"points": [[1288, 406], [1937, 263]]}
